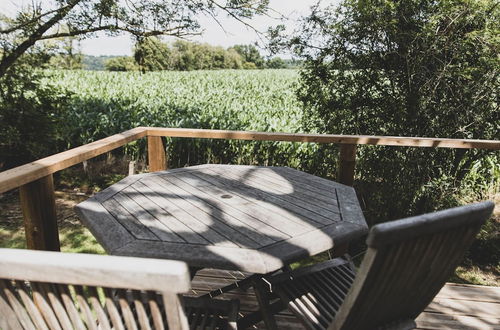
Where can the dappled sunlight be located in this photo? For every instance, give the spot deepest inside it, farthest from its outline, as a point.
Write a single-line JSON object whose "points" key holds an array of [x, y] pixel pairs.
{"points": [[231, 217]]}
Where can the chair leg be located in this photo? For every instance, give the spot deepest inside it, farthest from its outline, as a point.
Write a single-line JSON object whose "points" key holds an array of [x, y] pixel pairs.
{"points": [[232, 320], [262, 295]]}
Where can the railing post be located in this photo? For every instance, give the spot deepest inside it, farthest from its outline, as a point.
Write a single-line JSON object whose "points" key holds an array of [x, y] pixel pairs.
{"points": [[347, 162], [39, 210], [156, 154]]}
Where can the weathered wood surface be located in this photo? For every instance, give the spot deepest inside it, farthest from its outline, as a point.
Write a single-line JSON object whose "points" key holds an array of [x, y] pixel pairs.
{"points": [[400, 141], [21, 175], [226, 216], [347, 163], [456, 306], [95, 270], [18, 176], [49, 290], [39, 212], [156, 154]]}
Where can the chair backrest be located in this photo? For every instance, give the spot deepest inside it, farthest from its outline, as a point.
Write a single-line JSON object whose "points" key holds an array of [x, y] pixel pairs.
{"points": [[53, 290], [407, 263]]}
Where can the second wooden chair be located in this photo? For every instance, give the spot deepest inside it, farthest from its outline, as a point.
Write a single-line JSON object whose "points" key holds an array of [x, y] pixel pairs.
{"points": [[407, 263]]}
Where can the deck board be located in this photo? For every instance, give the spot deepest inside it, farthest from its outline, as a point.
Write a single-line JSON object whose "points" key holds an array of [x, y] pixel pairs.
{"points": [[456, 306]]}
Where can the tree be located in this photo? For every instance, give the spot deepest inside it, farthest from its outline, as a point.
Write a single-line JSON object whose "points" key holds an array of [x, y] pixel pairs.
{"points": [[42, 20], [250, 54], [121, 63], [404, 68], [276, 63], [152, 55]]}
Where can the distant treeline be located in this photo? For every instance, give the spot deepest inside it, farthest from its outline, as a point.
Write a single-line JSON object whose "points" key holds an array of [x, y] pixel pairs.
{"points": [[154, 55]]}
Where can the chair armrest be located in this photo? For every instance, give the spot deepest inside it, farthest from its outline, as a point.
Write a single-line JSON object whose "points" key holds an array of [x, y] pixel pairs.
{"points": [[95, 270]]}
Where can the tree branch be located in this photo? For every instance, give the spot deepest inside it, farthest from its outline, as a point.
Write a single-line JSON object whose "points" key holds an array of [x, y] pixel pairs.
{"points": [[8, 60], [31, 21]]}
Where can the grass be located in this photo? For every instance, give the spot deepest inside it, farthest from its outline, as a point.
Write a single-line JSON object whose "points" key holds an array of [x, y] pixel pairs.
{"points": [[73, 236]]}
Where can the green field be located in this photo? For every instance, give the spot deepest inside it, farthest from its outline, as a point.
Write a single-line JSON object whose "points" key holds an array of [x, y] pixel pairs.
{"points": [[105, 103], [108, 102]]}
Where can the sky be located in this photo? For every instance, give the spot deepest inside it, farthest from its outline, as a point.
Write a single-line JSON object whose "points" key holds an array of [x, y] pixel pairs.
{"points": [[235, 32]]}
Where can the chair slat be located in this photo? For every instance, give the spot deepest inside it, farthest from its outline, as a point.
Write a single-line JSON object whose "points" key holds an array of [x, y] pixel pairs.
{"points": [[102, 317], [70, 307], [8, 319], [140, 303], [154, 304], [301, 309], [176, 318], [43, 305], [84, 307], [319, 306], [112, 308], [25, 294], [50, 290], [11, 298]]}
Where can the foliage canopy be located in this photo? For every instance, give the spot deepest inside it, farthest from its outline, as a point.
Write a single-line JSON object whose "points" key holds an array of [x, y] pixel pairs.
{"points": [[404, 68], [42, 20]]}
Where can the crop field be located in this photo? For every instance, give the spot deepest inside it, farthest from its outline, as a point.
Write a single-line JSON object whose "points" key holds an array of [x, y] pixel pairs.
{"points": [[105, 103], [109, 102]]}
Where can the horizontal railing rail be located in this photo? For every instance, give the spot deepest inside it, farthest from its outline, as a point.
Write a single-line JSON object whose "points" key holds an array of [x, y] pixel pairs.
{"points": [[36, 182]]}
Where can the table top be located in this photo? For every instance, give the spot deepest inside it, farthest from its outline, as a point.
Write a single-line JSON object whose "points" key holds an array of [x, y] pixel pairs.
{"points": [[247, 218]]}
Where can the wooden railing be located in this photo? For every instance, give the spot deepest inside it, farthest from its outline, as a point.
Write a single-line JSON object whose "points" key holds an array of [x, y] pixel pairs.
{"points": [[36, 186]]}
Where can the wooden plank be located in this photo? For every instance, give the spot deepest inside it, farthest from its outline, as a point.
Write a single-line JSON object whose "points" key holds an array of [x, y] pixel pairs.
{"points": [[95, 270], [126, 199], [168, 215], [284, 190], [250, 203], [325, 138], [117, 187], [205, 213], [176, 206], [429, 320], [311, 243], [21, 175], [201, 256], [237, 207], [292, 212], [306, 178], [470, 292], [39, 212], [154, 216], [230, 226], [156, 154], [133, 225], [105, 228], [347, 162], [464, 307], [278, 181]]}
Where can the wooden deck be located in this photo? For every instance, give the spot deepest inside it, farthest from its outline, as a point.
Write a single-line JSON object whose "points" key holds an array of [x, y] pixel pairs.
{"points": [[455, 307]]}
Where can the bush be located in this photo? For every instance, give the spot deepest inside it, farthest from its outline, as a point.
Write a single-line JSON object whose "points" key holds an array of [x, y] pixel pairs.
{"points": [[411, 68], [31, 116], [123, 63]]}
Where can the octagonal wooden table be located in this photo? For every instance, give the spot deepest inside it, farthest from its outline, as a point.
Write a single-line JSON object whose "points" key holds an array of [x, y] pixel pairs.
{"points": [[248, 218]]}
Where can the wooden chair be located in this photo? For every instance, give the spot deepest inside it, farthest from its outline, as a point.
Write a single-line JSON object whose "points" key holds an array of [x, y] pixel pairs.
{"points": [[407, 263], [52, 290]]}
